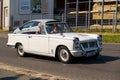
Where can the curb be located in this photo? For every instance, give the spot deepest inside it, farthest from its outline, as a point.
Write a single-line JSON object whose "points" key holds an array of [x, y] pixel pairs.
{"points": [[31, 73]]}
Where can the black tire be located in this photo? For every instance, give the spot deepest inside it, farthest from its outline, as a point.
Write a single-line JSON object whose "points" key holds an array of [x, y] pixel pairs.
{"points": [[64, 54], [20, 50]]}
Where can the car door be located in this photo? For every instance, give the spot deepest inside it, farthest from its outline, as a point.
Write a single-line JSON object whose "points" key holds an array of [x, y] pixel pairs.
{"points": [[38, 43]]}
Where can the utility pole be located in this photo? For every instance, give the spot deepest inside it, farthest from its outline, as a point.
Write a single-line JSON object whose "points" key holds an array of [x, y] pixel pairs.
{"points": [[65, 10], [102, 17], [116, 12], [77, 4], [89, 14]]}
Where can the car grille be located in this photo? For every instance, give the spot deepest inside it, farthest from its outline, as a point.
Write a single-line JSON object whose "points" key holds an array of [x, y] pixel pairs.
{"points": [[92, 44]]}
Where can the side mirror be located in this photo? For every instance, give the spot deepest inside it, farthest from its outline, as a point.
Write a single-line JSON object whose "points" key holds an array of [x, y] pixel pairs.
{"points": [[20, 28]]}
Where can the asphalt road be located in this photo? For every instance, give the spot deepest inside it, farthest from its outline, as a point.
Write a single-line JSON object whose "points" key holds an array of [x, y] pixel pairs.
{"points": [[105, 67]]}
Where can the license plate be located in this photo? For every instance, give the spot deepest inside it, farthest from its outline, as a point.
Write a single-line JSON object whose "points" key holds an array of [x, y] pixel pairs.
{"points": [[90, 54]]}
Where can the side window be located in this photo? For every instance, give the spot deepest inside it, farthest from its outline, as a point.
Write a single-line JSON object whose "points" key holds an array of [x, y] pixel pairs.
{"points": [[27, 25], [49, 28], [35, 24]]}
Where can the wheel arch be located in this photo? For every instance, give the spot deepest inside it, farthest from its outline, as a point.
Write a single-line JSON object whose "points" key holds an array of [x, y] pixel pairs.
{"points": [[56, 51], [17, 44]]}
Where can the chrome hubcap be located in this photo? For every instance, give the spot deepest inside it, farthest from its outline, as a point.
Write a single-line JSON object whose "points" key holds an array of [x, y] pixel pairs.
{"points": [[20, 50], [64, 55]]}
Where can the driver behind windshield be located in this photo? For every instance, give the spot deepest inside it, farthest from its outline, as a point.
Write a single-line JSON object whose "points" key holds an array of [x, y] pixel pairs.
{"points": [[55, 29]]}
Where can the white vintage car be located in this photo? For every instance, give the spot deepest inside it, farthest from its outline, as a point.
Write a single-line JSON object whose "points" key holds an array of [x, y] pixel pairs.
{"points": [[64, 44]]}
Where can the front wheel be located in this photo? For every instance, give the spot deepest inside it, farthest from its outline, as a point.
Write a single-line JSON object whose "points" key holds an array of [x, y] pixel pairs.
{"points": [[20, 50], [64, 55]]}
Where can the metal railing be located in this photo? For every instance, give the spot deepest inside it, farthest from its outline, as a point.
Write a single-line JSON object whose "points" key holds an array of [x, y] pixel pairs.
{"points": [[99, 14]]}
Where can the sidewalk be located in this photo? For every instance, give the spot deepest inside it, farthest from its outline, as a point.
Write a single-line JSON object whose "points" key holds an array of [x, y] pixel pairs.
{"points": [[4, 34]]}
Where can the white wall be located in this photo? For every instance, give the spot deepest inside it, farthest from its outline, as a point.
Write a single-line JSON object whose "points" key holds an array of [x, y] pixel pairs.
{"points": [[51, 8], [6, 16]]}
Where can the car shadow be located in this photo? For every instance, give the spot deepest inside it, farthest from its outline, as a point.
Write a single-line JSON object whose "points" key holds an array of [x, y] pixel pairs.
{"points": [[40, 57], [99, 60]]}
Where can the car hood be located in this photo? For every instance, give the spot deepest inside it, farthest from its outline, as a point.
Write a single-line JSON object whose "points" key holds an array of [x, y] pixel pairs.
{"points": [[81, 36]]}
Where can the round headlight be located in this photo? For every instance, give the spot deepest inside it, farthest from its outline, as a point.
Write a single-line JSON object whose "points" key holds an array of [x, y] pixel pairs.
{"points": [[99, 37], [76, 42]]}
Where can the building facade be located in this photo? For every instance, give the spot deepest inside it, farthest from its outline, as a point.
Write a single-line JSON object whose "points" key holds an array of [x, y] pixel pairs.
{"points": [[13, 13], [16, 12]]}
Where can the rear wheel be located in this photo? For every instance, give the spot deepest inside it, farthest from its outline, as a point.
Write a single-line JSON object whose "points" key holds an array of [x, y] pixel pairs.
{"points": [[20, 50], [64, 55]]}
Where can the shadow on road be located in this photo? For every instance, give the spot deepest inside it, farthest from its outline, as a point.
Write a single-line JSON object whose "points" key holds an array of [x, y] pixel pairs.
{"points": [[99, 60], [40, 57], [19, 77], [12, 77]]}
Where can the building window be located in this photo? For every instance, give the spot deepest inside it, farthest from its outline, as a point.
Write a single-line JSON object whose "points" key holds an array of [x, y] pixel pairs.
{"points": [[36, 6], [29, 6]]}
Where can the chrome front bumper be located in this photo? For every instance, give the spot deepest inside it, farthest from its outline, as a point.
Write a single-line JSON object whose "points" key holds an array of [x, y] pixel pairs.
{"points": [[86, 52]]}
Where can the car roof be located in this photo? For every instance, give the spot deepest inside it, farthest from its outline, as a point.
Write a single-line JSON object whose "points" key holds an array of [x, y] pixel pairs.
{"points": [[44, 20]]}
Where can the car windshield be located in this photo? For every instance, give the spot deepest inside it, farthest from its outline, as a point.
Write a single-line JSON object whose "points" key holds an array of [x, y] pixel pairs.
{"points": [[57, 27]]}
